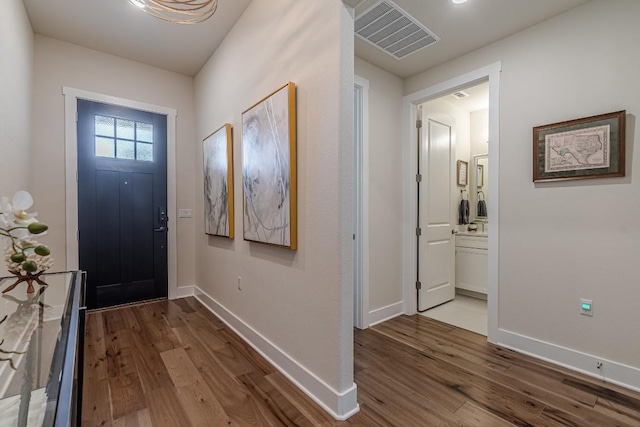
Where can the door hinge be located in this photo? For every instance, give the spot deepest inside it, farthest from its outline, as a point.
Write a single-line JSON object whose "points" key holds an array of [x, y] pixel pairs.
{"points": [[77, 178], [418, 231], [418, 177], [419, 124], [418, 285], [78, 235], [76, 117], [354, 237]]}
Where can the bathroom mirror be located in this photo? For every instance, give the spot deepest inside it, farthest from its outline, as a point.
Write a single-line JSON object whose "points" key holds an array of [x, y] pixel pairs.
{"points": [[479, 189]]}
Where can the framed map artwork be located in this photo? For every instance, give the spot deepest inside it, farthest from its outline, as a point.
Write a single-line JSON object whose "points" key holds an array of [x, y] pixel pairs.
{"points": [[592, 147]]}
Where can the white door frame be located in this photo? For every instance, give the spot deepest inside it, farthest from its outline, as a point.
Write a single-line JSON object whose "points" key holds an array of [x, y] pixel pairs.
{"points": [[410, 104], [361, 211], [71, 96]]}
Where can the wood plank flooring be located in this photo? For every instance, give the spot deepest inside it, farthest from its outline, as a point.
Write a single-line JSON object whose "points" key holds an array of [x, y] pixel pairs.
{"points": [[173, 363]]}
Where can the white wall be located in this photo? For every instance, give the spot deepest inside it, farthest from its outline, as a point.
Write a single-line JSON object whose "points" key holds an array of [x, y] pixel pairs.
{"points": [[385, 185], [59, 64], [16, 75], [295, 304], [479, 125], [560, 242]]}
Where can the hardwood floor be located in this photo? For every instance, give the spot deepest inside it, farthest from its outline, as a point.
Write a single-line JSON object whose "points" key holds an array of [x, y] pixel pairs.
{"points": [[173, 363]]}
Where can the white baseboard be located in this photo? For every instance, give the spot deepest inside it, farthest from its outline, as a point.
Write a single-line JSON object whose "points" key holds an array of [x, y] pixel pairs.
{"points": [[383, 314], [341, 405], [182, 292], [613, 372]]}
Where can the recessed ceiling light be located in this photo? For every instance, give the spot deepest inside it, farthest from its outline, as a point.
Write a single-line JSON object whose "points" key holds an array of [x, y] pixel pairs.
{"points": [[458, 1]]}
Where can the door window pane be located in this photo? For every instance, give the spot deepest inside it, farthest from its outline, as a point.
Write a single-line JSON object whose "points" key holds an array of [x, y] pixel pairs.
{"points": [[144, 132], [104, 125], [125, 129], [145, 152], [105, 147], [125, 150], [123, 139]]}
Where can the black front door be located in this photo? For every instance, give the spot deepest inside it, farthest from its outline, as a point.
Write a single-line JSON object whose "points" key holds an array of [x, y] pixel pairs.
{"points": [[122, 203]]}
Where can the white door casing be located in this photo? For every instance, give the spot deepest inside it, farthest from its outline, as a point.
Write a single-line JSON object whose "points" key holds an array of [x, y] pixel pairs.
{"points": [[410, 107], [71, 96], [437, 217], [361, 204]]}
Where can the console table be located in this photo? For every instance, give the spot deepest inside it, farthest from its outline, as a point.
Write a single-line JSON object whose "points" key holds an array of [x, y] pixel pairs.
{"points": [[41, 364]]}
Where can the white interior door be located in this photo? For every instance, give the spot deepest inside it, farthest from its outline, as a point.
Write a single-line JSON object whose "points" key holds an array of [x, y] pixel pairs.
{"points": [[437, 219]]}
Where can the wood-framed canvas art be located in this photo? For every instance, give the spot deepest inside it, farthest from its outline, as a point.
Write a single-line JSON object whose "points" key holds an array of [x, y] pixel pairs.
{"points": [[462, 172], [591, 147], [269, 169], [217, 154]]}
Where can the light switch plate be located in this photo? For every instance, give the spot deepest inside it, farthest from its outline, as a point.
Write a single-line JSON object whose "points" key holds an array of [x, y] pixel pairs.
{"points": [[185, 213], [586, 307]]}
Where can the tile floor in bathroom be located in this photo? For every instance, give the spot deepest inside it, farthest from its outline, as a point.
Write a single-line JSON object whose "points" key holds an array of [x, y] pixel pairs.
{"points": [[464, 312]]}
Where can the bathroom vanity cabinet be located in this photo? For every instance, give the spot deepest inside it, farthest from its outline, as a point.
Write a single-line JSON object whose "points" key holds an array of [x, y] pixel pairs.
{"points": [[472, 262]]}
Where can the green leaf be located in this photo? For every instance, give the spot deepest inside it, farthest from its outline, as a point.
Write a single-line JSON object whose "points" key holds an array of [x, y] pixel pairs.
{"points": [[18, 257], [42, 250], [29, 266], [37, 228]]}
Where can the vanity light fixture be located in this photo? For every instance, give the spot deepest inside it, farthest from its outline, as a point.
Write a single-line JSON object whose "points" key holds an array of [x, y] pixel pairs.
{"points": [[179, 11]]}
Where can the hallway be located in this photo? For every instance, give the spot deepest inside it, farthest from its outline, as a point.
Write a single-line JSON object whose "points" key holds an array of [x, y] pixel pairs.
{"points": [[173, 363]]}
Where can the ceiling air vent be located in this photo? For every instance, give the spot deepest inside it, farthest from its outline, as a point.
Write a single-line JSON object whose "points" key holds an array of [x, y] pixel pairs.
{"points": [[392, 30], [460, 94]]}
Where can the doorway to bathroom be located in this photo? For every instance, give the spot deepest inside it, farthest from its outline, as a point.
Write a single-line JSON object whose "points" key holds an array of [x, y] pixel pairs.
{"points": [[452, 208], [452, 200]]}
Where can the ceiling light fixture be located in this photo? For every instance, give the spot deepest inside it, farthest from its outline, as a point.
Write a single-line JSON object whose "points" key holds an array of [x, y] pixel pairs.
{"points": [[178, 11], [458, 1]]}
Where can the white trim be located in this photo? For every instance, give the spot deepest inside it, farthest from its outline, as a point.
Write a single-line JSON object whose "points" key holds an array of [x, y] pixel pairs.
{"points": [[341, 405], [71, 96], [361, 260], [612, 372], [386, 313], [352, 3], [183, 292], [410, 103]]}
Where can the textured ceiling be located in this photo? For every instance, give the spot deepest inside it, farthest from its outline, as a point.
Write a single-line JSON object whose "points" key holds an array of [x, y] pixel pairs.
{"points": [[462, 28], [118, 28], [478, 98]]}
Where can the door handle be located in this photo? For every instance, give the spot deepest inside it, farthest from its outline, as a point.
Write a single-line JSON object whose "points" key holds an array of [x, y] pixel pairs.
{"points": [[159, 229], [454, 231]]}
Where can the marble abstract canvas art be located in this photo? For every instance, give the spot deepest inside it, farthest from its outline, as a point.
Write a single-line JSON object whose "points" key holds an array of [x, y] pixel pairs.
{"points": [[217, 153], [269, 169]]}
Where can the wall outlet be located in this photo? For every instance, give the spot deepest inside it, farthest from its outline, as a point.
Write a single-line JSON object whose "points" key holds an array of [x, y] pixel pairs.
{"points": [[586, 307], [239, 283], [599, 365]]}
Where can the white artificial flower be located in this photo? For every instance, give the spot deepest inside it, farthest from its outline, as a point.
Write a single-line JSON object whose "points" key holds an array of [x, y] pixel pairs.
{"points": [[5, 206], [22, 201], [14, 223], [14, 215], [5, 213]]}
